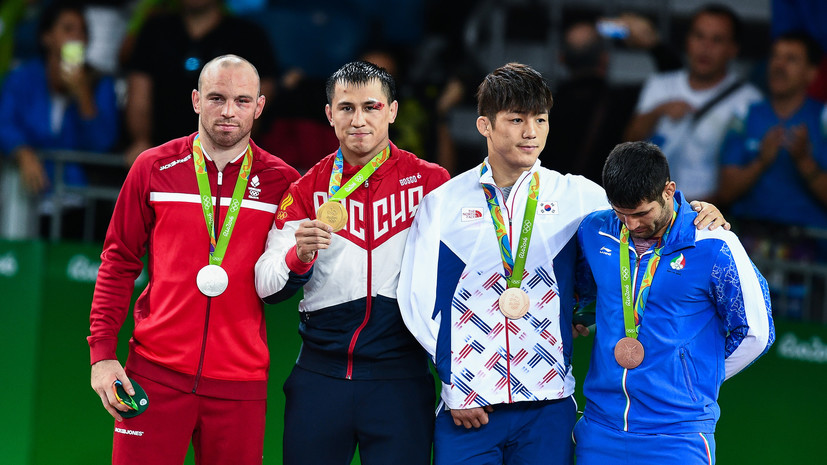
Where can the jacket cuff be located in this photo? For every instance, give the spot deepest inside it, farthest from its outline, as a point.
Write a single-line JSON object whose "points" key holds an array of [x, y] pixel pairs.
{"points": [[295, 265], [103, 350]]}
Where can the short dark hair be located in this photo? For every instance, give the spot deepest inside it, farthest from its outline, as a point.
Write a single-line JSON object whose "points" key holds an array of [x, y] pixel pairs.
{"points": [[811, 46], [718, 9], [361, 73], [51, 13], [635, 172], [513, 87]]}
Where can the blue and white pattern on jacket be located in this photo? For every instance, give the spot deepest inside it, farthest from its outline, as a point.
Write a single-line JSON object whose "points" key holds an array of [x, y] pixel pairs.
{"points": [[708, 317], [452, 277]]}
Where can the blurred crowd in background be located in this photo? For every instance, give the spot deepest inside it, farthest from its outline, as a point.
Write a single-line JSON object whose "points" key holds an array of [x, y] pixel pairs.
{"points": [[732, 92]]}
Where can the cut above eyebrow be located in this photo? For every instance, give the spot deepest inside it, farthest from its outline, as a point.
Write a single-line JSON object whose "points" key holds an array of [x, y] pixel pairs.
{"points": [[370, 101]]}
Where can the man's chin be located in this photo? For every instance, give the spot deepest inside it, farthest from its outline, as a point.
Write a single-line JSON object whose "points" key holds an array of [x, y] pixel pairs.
{"points": [[361, 148], [226, 139]]}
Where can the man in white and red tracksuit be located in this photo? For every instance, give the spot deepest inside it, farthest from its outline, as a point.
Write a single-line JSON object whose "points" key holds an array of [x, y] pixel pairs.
{"points": [[360, 378], [201, 358]]}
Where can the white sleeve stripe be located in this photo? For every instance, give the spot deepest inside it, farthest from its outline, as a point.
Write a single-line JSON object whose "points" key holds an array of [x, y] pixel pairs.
{"points": [[755, 309], [271, 272], [417, 297]]}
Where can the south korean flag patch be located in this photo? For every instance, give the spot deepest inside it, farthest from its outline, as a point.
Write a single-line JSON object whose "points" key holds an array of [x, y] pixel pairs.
{"points": [[547, 208]]}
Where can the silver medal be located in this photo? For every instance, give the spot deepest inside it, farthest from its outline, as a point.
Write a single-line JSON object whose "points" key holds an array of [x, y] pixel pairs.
{"points": [[212, 280]]}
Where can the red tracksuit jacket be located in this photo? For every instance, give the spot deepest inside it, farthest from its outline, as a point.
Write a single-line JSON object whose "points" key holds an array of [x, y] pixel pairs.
{"points": [[183, 339]]}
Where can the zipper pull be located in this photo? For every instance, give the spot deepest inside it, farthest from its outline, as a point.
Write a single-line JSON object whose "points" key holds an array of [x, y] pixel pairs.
{"points": [[366, 183], [220, 177]]}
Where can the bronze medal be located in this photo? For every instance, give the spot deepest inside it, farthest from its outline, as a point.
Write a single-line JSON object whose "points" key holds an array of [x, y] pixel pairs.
{"points": [[514, 303], [629, 352], [333, 214]]}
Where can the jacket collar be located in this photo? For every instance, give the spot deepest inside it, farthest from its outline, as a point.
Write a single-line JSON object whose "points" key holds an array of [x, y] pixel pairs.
{"points": [[488, 176], [683, 231]]}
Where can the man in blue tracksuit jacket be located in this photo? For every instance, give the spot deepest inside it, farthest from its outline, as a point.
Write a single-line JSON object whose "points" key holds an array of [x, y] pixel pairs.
{"points": [[659, 360]]}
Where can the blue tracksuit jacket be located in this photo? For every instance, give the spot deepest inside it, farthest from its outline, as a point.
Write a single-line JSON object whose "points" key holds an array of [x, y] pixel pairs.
{"points": [[707, 317]]}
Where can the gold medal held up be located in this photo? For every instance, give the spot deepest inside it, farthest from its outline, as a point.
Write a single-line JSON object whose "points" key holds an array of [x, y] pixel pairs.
{"points": [[629, 353], [514, 303], [333, 214]]}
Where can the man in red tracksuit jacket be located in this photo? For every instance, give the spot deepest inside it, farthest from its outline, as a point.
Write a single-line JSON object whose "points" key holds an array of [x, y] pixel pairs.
{"points": [[200, 354], [361, 378]]}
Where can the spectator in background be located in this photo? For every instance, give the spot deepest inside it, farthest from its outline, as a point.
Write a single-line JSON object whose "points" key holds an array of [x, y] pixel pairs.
{"points": [[446, 73], [589, 113], [808, 16], [167, 57], [774, 158], [57, 102], [686, 112]]}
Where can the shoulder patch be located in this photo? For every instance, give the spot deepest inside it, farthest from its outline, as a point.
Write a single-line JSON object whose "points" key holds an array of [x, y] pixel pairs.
{"points": [[285, 203]]}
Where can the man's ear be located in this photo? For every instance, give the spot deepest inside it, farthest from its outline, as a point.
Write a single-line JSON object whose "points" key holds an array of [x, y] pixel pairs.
{"points": [[484, 126], [328, 113], [669, 191], [394, 110], [260, 101], [195, 101]]}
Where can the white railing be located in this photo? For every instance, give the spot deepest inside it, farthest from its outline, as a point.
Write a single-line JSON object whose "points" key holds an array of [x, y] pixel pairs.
{"points": [[20, 209]]}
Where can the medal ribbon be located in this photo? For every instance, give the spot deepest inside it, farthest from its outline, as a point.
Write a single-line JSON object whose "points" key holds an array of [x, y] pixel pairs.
{"points": [[337, 193], [513, 266], [219, 247], [633, 311]]}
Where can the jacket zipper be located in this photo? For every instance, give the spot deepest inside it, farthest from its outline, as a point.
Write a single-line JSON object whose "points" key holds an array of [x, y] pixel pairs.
{"points": [[686, 375], [507, 322], [216, 227], [368, 299], [626, 370]]}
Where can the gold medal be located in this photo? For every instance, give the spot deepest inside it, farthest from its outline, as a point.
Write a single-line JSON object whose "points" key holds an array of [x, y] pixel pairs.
{"points": [[629, 352], [333, 214], [514, 303]]}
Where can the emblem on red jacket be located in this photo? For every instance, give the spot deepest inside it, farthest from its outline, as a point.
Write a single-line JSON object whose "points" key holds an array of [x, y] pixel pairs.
{"points": [[286, 202]]}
